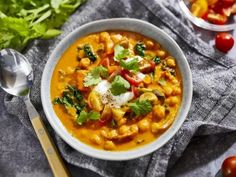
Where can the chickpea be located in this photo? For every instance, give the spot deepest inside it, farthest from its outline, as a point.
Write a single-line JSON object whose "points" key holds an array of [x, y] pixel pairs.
{"points": [[170, 62], [159, 112], [85, 62], [161, 53], [124, 129], [122, 121], [112, 134], [149, 44], [155, 127], [81, 54], [103, 133], [134, 128], [144, 125], [168, 90], [109, 145], [104, 36], [172, 100], [96, 139], [176, 91]]}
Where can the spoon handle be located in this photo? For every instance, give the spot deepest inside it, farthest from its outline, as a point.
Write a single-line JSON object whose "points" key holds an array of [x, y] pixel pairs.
{"points": [[52, 154]]}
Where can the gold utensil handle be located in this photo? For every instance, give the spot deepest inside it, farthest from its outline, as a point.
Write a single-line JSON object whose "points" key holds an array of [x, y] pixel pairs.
{"points": [[52, 154], [55, 161]]}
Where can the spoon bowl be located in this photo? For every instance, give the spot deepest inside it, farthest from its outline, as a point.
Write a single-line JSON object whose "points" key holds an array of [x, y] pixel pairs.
{"points": [[16, 74], [16, 78]]}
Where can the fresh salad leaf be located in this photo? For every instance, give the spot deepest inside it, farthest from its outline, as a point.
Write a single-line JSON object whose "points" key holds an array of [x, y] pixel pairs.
{"points": [[141, 107], [140, 49], [130, 65], [120, 52], [89, 52], [94, 76], [85, 116], [24, 20], [119, 85]]}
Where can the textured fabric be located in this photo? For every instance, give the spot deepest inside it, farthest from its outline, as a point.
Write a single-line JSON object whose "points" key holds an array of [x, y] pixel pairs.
{"points": [[214, 94]]}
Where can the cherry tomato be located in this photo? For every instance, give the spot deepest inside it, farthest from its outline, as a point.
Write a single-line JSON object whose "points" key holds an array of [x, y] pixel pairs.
{"points": [[217, 18], [228, 167], [224, 42]]}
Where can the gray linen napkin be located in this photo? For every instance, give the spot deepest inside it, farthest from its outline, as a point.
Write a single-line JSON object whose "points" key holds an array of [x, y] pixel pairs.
{"points": [[214, 94]]}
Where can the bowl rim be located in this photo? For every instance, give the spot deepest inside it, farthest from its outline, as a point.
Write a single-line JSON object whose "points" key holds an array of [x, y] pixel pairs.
{"points": [[94, 26], [202, 23]]}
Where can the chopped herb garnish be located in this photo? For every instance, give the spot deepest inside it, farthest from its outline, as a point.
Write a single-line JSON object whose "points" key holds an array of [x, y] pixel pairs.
{"points": [[94, 76], [157, 60], [130, 65], [113, 123], [85, 116], [140, 49], [119, 85], [141, 107], [89, 52], [120, 52]]}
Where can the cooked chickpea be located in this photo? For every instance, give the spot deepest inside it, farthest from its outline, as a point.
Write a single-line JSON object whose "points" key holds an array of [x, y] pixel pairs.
{"points": [[134, 128], [161, 53], [149, 44], [96, 139], [84, 63], [109, 145], [144, 125], [112, 134], [168, 90], [124, 129], [173, 100], [159, 112], [155, 127], [122, 121], [103, 133], [104, 36], [170, 62], [176, 91], [81, 54]]}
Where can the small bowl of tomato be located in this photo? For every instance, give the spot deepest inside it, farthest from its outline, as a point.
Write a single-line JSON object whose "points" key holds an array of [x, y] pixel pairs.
{"points": [[214, 15]]}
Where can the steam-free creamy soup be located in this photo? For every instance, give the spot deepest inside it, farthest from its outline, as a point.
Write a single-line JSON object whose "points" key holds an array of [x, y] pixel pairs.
{"points": [[116, 90]]}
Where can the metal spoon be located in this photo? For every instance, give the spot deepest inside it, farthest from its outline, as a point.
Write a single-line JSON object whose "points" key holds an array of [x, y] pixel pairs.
{"points": [[16, 78]]}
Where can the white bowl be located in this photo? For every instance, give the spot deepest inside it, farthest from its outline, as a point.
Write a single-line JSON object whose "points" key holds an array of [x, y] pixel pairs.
{"points": [[127, 24]]}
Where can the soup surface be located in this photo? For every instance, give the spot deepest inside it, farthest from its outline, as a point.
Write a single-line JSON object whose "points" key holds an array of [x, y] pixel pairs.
{"points": [[116, 90]]}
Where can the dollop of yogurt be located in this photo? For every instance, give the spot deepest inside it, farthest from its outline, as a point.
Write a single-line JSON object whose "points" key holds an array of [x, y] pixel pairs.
{"points": [[108, 98]]}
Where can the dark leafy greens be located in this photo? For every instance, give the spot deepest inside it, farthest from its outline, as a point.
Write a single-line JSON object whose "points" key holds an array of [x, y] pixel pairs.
{"points": [[71, 97], [89, 52], [140, 48]]}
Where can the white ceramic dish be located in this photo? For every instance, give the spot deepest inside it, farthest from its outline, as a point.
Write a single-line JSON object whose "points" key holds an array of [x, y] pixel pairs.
{"points": [[128, 24]]}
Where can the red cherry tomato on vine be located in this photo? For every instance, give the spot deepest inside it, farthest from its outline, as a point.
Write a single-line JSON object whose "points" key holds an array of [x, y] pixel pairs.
{"points": [[228, 167], [224, 42]]}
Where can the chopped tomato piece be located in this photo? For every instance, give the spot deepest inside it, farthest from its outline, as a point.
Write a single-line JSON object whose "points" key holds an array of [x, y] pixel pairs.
{"points": [[135, 91], [105, 62], [217, 18]]}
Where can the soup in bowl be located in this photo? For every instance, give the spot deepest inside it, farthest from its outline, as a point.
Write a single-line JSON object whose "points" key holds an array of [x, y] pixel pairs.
{"points": [[117, 91]]}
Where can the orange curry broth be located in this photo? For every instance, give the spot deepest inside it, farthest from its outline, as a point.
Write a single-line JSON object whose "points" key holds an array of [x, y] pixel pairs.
{"points": [[69, 61]]}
